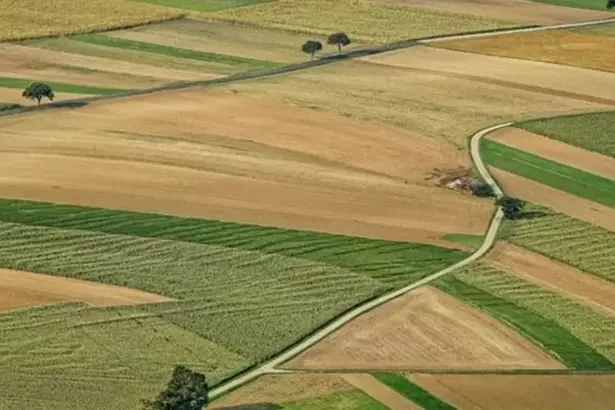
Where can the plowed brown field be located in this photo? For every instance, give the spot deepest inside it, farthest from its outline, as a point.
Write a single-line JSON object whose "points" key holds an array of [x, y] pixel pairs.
{"points": [[517, 392], [22, 289], [424, 329]]}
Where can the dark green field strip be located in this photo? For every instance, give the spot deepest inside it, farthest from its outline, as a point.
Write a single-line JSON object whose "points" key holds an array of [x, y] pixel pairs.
{"points": [[59, 87], [405, 387], [103, 40], [551, 173], [579, 4], [472, 241], [593, 132], [207, 6], [556, 340], [393, 263], [8, 106]]}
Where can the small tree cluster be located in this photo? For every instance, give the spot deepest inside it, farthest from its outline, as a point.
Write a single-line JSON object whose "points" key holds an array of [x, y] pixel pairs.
{"points": [[610, 4], [511, 207], [38, 91], [339, 39], [187, 390], [480, 188]]}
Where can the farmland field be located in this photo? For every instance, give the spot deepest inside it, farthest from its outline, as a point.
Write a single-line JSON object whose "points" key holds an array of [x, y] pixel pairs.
{"points": [[412, 391], [582, 4], [604, 29], [203, 5]]}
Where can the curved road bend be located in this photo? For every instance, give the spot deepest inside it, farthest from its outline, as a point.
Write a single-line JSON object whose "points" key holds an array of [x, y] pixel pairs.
{"points": [[269, 367]]}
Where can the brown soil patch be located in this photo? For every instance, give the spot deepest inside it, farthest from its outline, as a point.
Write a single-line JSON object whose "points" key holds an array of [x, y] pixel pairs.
{"points": [[554, 275], [514, 10], [424, 329], [22, 289], [572, 82], [280, 388], [211, 153], [554, 150], [521, 392], [552, 46], [13, 95], [381, 392], [560, 201]]}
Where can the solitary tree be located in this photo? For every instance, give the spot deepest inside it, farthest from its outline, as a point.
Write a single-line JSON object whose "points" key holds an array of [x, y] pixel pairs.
{"points": [[38, 91], [338, 39], [311, 47], [512, 207], [187, 390], [610, 4]]}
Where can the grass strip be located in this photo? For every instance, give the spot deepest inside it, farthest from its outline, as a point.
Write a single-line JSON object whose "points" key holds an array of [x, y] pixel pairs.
{"points": [[473, 241], [344, 400], [9, 106], [60, 87], [551, 173], [417, 394], [103, 40], [206, 6], [546, 333], [578, 4]]}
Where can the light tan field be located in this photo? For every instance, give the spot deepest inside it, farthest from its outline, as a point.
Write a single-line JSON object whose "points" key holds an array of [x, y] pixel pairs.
{"points": [[515, 10], [521, 392], [552, 79], [280, 388], [13, 95], [440, 105], [554, 150], [552, 46], [425, 329], [22, 289], [560, 201], [211, 153], [380, 391]]}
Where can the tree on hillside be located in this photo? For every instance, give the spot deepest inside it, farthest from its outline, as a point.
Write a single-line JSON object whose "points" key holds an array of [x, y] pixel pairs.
{"points": [[512, 207], [38, 91], [311, 47], [187, 390], [610, 4], [338, 39]]}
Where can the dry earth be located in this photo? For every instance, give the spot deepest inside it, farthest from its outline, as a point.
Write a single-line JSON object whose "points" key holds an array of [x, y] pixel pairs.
{"points": [[22, 289], [554, 275], [424, 329], [210, 153], [521, 392], [513, 10], [381, 392], [560, 201], [279, 388], [554, 150]]}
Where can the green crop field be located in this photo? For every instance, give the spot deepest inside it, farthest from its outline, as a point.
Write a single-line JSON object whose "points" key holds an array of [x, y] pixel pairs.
{"points": [[60, 87], [561, 237], [417, 394], [551, 173], [581, 4], [576, 335], [593, 132], [471, 241], [249, 290], [346, 400]]}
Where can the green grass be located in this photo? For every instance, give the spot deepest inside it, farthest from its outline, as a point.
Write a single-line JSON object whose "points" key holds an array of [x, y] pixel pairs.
{"points": [[203, 5], [580, 337], [551, 173], [346, 400], [593, 132], [561, 237], [472, 241], [21, 83], [602, 29], [107, 41], [405, 387], [580, 4], [8, 106]]}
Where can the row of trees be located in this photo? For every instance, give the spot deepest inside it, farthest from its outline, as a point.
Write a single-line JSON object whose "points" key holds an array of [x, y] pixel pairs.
{"points": [[339, 39]]}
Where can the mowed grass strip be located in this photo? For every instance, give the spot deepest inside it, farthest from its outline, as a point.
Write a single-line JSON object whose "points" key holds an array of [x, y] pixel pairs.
{"points": [[551, 173], [417, 394], [577, 243], [579, 4], [593, 132], [206, 6], [534, 317], [34, 18], [472, 241], [22, 83], [363, 20], [116, 42]]}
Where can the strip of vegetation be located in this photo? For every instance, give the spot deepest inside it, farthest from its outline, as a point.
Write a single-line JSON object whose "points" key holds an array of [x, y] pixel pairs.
{"points": [[551, 173], [417, 394], [472, 241], [543, 331], [206, 6], [579, 4], [115, 42], [344, 400], [60, 87], [593, 132], [9, 106]]}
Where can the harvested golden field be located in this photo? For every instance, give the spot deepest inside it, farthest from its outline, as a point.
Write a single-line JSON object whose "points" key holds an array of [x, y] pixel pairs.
{"points": [[23, 289], [363, 20], [521, 392], [442, 106], [424, 329], [555, 276], [34, 18], [554, 150], [216, 154], [527, 12], [560, 201], [280, 388], [552, 46]]}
